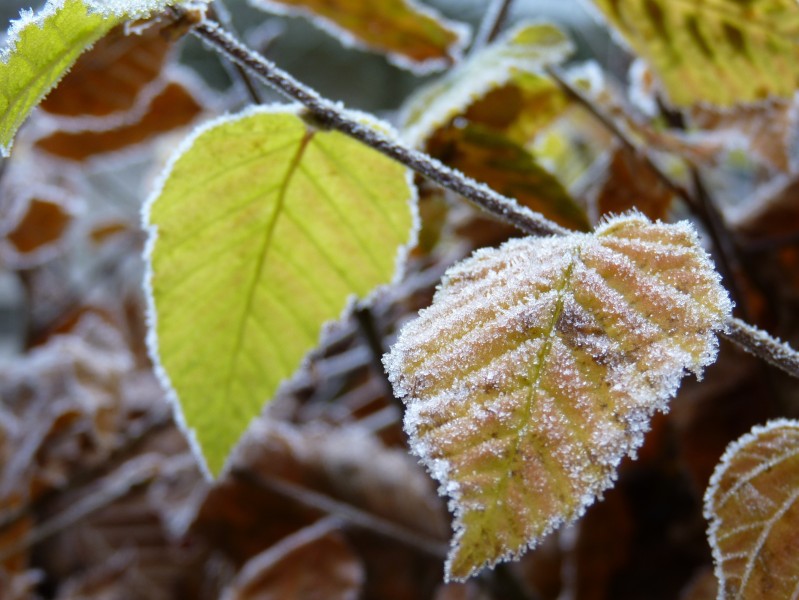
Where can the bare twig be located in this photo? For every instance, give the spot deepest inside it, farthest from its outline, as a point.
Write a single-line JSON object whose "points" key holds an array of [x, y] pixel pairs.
{"points": [[345, 512], [336, 117], [761, 344], [491, 25], [219, 11]]}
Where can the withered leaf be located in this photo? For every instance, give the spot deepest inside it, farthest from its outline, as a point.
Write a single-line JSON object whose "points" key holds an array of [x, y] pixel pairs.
{"points": [[314, 563], [538, 367], [43, 223], [109, 78], [508, 168], [173, 107], [752, 507]]}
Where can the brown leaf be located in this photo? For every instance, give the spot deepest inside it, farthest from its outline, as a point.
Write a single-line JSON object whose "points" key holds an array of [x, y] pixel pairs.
{"points": [[629, 183], [507, 168], [172, 108], [109, 78], [751, 504], [410, 37], [42, 225], [315, 563]]}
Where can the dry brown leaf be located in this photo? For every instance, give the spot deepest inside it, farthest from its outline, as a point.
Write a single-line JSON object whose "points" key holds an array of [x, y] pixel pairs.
{"points": [[629, 183], [109, 78], [751, 504], [410, 36], [538, 368], [43, 224], [507, 168], [174, 106], [315, 563]]}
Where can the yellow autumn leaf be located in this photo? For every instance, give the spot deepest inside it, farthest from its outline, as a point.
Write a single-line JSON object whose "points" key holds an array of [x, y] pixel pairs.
{"points": [[752, 507], [722, 52], [538, 367]]}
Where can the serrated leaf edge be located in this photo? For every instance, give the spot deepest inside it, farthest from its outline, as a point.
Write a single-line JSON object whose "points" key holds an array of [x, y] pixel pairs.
{"points": [[151, 316]]}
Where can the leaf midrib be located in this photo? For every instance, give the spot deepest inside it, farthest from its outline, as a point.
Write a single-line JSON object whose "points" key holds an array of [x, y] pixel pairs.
{"points": [[262, 254]]}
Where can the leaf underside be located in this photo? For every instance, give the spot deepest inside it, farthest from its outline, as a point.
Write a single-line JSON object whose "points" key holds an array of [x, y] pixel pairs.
{"points": [[752, 504], [538, 367], [723, 52], [262, 232], [41, 52]]}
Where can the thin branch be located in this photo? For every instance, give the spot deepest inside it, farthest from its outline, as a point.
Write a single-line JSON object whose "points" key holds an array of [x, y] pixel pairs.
{"points": [[334, 116], [345, 512], [491, 25], [761, 344]]}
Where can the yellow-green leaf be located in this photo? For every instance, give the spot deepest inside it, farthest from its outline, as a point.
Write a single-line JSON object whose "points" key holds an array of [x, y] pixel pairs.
{"points": [[411, 36], [752, 504], [538, 367], [264, 230], [515, 60], [39, 52], [723, 52]]}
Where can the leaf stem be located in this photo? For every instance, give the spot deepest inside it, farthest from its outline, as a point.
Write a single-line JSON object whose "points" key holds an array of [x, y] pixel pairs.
{"points": [[337, 117], [491, 25]]}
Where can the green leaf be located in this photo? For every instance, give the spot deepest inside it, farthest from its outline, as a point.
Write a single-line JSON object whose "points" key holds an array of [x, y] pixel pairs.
{"points": [[411, 36], [752, 504], [39, 52], [723, 52], [515, 60], [538, 367], [263, 231]]}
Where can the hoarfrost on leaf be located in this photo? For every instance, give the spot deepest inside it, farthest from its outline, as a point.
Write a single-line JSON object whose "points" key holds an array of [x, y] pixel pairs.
{"points": [[539, 366], [751, 504]]}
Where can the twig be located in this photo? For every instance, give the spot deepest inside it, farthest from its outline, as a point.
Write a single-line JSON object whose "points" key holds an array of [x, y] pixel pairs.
{"points": [[345, 512], [80, 510], [336, 117], [219, 11], [368, 328], [761, 344], [700, 203], [491, 24]]}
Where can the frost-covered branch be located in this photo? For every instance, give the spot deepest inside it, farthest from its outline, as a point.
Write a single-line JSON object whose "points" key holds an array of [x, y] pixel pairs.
{"points": [[335, 116], [761, 344]]}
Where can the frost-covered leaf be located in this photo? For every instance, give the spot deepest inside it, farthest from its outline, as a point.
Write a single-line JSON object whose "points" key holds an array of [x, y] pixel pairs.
{"points": [[752, 507], [508, 168], [41, 48], [538, 367], [174, 106], [722, 52], [39, 51], [263, 231], [108, 79], [412, 36], [514, 61]]}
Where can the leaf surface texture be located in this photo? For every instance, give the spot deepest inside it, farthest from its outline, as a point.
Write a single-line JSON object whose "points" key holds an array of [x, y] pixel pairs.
{"points": [[718, 51], [263, 231], [752, 507], [538, 367]]}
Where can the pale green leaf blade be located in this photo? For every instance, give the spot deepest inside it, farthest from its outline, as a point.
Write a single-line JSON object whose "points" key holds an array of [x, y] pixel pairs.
{"points": [[39, 52], [722, 52], [411, 36], [263, 231], [515, 60], [752, 505], [538, 367]]}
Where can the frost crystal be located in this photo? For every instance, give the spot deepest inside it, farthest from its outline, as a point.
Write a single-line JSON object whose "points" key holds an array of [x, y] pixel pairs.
{"points": [[538, 367]]}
